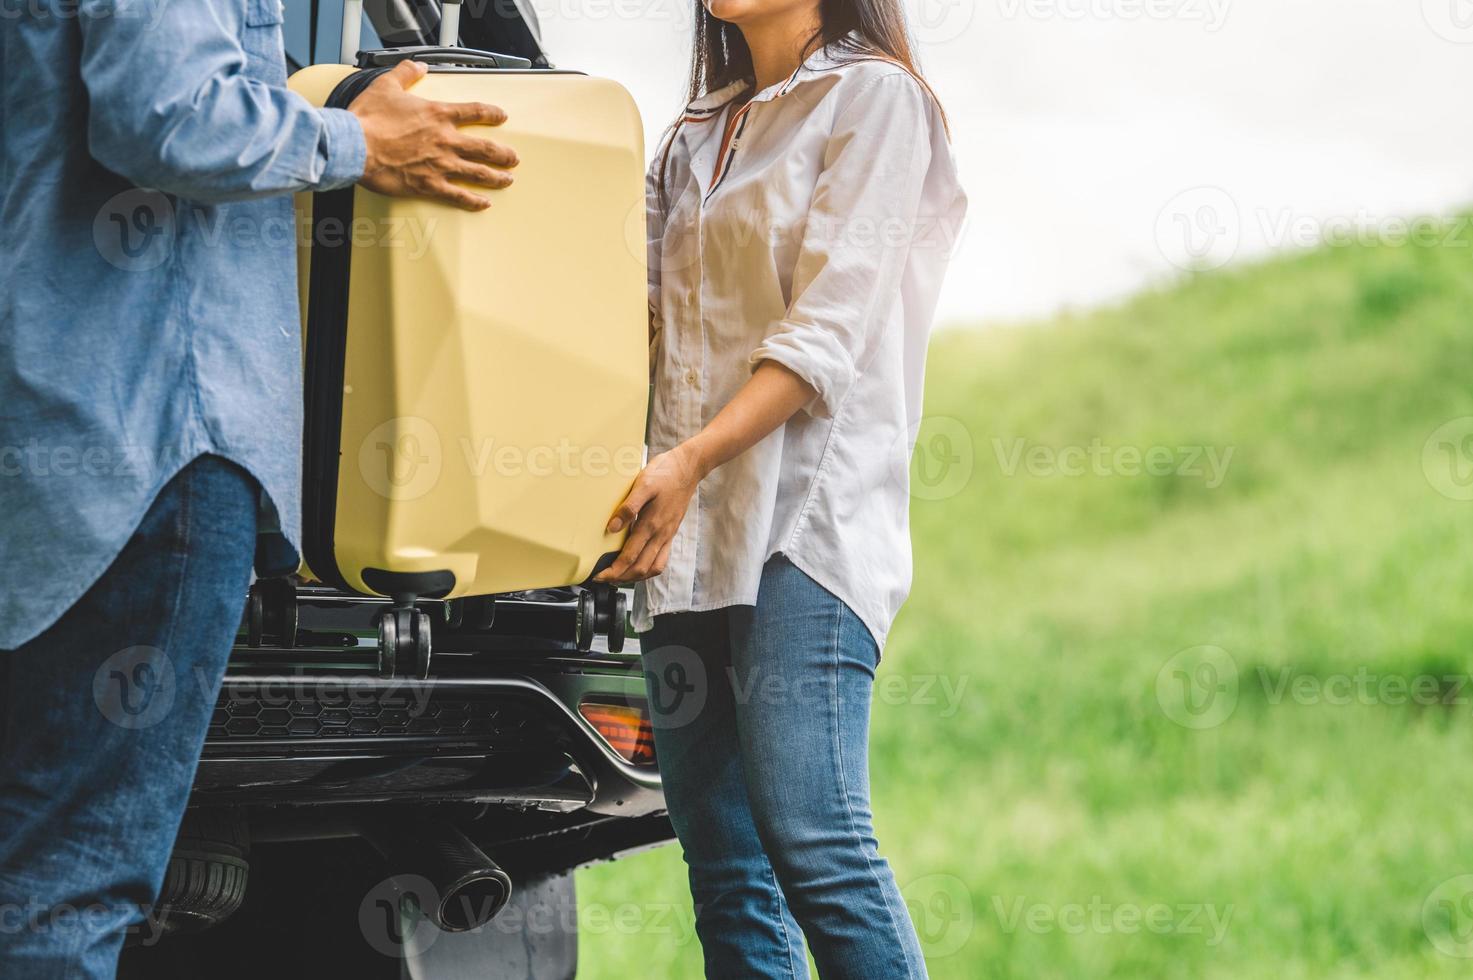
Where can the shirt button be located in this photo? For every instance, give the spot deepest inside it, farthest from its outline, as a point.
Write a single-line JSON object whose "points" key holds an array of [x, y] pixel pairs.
{"points": [[690, 297], [691, 377]]}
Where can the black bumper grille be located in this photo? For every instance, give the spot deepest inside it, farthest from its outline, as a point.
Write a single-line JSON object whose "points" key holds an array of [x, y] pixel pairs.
{"points": [[247, 715]]}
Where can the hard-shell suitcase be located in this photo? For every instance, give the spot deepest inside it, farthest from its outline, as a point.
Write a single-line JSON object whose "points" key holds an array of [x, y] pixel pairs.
{"points": [[476, 382]]}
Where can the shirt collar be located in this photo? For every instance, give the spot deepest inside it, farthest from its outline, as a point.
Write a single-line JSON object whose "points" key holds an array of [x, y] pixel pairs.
{"points": [[824, 59]]}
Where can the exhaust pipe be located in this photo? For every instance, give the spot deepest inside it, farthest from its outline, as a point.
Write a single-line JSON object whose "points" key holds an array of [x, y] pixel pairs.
{"points": [[469, 887]]}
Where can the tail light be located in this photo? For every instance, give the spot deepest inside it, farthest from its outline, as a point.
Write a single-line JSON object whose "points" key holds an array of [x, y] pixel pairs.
{"points": [[626, 727]]}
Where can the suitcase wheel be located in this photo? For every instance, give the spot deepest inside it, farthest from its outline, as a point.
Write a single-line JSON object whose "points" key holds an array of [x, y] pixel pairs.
{"points": [[601, 612], [404, 643]]}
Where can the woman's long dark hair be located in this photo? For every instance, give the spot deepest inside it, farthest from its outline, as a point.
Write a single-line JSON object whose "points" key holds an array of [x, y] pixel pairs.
{"points": [[721, 55]]}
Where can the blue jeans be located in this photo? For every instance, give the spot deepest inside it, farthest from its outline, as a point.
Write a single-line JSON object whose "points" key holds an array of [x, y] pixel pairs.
{"points": [[761, 719], [104, 718]]}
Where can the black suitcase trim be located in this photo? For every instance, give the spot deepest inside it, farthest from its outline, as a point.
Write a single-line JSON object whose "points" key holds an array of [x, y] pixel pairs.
{"points": [[327, 344]]}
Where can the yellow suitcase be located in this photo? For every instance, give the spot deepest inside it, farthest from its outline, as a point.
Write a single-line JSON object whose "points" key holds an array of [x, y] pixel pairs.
{"points": [[476, 384]]}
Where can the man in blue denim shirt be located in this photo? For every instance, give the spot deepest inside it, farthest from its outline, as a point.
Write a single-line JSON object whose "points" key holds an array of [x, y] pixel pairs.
{"points": [[150, 412]]}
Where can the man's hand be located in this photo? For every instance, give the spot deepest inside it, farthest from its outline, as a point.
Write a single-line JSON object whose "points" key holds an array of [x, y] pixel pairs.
{"points": [[415, 147], [655, 507]]}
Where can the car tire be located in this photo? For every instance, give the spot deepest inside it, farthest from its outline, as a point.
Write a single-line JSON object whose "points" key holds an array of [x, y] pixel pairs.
{"points": [[205, 882]]}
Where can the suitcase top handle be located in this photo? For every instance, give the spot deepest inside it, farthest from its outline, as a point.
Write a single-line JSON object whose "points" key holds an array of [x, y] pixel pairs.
{"points": [[353, 21], [440, 56]]}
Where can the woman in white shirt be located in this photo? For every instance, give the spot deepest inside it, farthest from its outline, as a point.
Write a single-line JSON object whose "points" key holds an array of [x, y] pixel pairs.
{"points": [[800, 215]]}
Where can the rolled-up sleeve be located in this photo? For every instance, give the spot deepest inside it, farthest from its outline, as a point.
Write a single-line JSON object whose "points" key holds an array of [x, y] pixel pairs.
{"points": [[172, 107], [654, 223], [856, 239]]}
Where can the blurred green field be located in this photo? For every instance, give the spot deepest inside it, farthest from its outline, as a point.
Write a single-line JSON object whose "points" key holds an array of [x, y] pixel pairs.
{"points": [[1212, 720]]}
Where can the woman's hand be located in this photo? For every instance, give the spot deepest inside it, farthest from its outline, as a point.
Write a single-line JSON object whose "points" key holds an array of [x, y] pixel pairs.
{"points": [[655, 507], [656, 504]]}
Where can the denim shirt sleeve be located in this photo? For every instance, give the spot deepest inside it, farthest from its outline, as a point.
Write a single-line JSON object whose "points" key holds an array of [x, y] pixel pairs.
{"points": [[174, 106]]}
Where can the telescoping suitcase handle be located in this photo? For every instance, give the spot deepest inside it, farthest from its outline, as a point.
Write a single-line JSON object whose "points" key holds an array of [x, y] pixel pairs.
{"points": [[449, 37], [440, 56]]}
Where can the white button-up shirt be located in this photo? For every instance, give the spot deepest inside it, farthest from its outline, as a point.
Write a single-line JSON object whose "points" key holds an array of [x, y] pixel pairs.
{"points": [[810, 227]]}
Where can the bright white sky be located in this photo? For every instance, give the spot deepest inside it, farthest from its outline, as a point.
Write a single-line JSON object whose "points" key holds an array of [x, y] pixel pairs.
{"points": [[1102, 141]]}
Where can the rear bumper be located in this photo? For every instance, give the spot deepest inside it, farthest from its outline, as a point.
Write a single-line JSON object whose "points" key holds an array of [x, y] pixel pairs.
{"points": [[312, 741], [506, 735]]}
